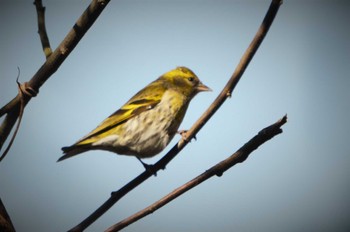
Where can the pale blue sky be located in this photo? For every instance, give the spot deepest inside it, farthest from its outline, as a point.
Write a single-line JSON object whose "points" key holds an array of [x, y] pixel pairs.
{"points": [[299, 181]]}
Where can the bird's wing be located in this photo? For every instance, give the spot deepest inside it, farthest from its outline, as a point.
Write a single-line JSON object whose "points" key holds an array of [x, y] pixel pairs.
{"points": [[129, 110]]}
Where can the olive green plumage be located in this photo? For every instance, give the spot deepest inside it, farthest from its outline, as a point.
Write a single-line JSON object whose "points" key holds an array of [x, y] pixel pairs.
{"points": [[145, 125]]}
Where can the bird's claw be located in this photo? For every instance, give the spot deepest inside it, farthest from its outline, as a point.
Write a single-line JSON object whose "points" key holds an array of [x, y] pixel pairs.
{"points": [[183, 134]]}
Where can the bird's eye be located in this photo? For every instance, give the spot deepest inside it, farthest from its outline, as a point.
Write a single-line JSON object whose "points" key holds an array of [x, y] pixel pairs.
{"points": [[191, 79]]}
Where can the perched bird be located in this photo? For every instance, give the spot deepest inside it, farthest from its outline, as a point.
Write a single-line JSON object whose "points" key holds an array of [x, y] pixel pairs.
{"points": [[146, 124]]}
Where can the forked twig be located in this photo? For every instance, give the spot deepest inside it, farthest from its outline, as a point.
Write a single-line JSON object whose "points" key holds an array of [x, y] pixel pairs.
{"points": [[53, 62]]}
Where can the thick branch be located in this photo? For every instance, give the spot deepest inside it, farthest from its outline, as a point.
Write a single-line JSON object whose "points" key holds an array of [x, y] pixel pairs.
{"points": [[40, 9], [225, 93], [218, 169], [51, 65]]}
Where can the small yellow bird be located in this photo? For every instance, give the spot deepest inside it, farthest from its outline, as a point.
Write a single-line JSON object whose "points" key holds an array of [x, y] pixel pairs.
{"points": [[146, 124]]}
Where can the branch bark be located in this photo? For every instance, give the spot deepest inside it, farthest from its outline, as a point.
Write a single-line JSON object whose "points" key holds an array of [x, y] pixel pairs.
{"points": [[53, 62], [225, 93], [238, 157]]}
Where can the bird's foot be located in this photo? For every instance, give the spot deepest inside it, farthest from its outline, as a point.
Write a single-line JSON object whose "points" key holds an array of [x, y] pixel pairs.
{"points": [[183, 134]]}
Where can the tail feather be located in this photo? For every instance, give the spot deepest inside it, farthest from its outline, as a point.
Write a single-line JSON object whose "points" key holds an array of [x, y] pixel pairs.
{"points": [[73, 150]]}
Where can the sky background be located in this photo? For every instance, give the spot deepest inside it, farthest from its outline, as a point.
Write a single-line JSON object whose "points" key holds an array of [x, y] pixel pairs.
{"points": [[298, 181]]}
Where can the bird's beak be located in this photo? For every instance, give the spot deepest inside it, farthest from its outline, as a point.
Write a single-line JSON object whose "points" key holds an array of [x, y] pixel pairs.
{"points": [[201, 87]]}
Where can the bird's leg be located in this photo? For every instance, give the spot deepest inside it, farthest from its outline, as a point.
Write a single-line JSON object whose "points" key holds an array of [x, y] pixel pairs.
{"points": [[149, 167], [183, 134]]}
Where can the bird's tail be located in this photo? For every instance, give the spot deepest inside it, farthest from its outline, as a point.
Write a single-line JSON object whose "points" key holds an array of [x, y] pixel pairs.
{"points": [[74, 150]]}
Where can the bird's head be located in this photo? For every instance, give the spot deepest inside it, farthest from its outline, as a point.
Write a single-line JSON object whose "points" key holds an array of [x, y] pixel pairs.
{"points": [[184, 80]]}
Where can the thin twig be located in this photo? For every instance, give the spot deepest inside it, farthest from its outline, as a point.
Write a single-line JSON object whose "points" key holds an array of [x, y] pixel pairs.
{"points": [[24, 92], [225, 93], [53, 62], [40, 9], [238, 157]]}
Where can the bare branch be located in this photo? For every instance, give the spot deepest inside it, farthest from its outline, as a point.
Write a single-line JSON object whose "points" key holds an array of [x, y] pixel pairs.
{"points": [[53, 62], [40, 9], [238, 157], [225, 93], [5, 220]]}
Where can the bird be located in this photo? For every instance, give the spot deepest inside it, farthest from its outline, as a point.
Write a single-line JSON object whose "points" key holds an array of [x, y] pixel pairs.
{"points": [[146, 123]]}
